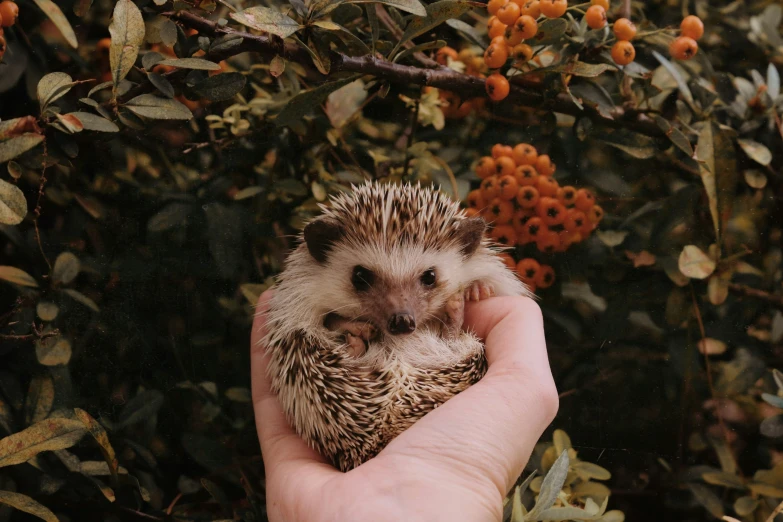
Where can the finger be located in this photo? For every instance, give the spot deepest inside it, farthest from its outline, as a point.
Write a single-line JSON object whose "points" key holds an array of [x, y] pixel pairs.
{"points": [[490, 430], [281, 447]]}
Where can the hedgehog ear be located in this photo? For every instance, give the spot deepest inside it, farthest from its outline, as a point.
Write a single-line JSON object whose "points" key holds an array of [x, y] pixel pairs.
{"points": [[320, 235], [470, 232]]}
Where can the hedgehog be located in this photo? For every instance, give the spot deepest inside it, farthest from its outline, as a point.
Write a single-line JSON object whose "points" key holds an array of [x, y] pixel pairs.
{"points": [[365, 326]]}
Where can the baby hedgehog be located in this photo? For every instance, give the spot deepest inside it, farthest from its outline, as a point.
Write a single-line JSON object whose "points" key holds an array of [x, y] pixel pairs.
{"points": [[365, 326]]}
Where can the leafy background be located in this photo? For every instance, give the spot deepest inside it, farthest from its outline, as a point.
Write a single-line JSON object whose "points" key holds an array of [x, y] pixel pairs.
{"points": [[152, 183]]}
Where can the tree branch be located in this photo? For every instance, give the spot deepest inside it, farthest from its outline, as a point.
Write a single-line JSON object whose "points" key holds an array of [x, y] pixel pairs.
{"points": [[440, 77], [775, 300]]}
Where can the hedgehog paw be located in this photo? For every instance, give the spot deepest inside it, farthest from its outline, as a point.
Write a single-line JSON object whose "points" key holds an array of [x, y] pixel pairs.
{"points": [[478, 291], [357, 336], [454, 315], [356, 345]]}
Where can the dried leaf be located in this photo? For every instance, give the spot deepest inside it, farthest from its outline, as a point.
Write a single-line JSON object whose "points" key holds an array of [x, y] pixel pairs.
{"points": [[57, 17], [17, 276], [710, 346], [157, 108], [267, 19], [643, 258], [16, 146], [27, 505], [694, 263], [766, 490], [127, 35], [101, 437], [47, 435], [220, 86], [756, 151], [577, 68], [191, 63], [277, 66], [53, 351], [13, 205], [66, 268]]}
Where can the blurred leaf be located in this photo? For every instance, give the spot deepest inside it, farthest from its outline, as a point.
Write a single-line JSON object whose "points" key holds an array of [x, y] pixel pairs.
{"points": [[47, 435], [93, 122], [744, 506], [772, 426], [306, 101], [127, 34], [773, 81], [277, 66], [766, 490], [143, 405], [66, 268], [59, 20], [206, 451], [52, 87], [47, 311], [18, 145], [191, 63], [17, 276], [238, 394], [756, 151], [588, 470], [694, 263], [220, 87], [154, 107], [13, 205], [343, 103], [773, 400], [27, 505], [681, 83], [550, 31], [468, 31], [39, 400], [711, 346], [611, 238], [577, 68], [409, 6], [551, 486], [53, 351], [267, 19], [708, 499], [562, 441], [248, 192], [81, 7], [81, 298], [436, 14], [674, 134], [721, 478]]}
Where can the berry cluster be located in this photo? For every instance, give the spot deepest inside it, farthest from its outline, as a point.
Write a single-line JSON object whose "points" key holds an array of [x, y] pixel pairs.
{"points": [[455, 107], [526, 206], [9, 12]]}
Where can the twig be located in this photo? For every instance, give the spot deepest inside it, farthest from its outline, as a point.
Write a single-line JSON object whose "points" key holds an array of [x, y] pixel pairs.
{"points": [[625, 10], [744, 290], [411, 137], [37, 210], [441, 77]]}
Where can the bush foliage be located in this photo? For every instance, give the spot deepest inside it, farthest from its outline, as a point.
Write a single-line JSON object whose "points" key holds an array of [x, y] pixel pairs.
{"points": [[158, 158]]}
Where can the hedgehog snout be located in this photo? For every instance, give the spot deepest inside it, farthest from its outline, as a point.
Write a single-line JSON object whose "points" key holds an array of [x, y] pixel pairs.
{"points": [[402, 323]]}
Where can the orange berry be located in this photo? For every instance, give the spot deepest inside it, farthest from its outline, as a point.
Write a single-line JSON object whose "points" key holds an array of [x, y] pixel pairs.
{"points": [[499, 40], [575, 220], [512, 39], [544, 165], [624, 29], [504, 166], [490, 188], [509, 13], [519, 220], [545, 276], [527, 196], [531, 8], [504, 235], [526, 26], [602, 3], [547, 187], [500, 211], [496, 28], [444, 53], [624, 53], [595, 17], [551, 211], [553, 8], [584, 200], [9, 12], [508, 187], [548, 241], [497, 87], [522, 52], [683, 48], [496, 55], [534, 227], [103, 44], [508, 261], [692, 27], [567, 195], [493, 6], [499, 150], [525, 154], [476, 199], [485, 167], [595, 215], [528, 269], [472, 212], [526, 175]]}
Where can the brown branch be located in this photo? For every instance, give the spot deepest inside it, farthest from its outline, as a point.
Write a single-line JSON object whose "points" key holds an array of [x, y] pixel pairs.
{"points": [[441, 77], [747, 291]]}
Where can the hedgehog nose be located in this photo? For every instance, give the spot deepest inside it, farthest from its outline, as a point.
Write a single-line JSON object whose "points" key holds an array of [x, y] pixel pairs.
{"points": [[401, 324]]}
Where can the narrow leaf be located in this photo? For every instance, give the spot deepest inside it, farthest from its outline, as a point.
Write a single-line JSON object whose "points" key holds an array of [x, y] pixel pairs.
{"points": [[47, 435], [17, 276], [57, 17], [81, 298], [27, 505], [551, 485]]}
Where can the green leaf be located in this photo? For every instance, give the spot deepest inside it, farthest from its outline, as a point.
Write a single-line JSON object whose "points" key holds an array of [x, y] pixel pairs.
{"points": [[52, 87], [151, 59], [221, 86], [467, 30], [436, 14], [327, 24], [94, 122], [162, 84], [157, 108], [27, 505], [718, 168], [708, 499], [13, 205], [66, 268], [81, 298], [551, 486], [100, 87], [550, 31], [127, 35], [409, 6], [16, 146], [756, 151], [47, 435], [191, 63], [17, 276], [304, 102], [57, 17], [268, 20], [674, 134]]}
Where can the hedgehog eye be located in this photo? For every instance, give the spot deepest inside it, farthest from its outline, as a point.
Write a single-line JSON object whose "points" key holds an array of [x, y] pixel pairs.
{"points": [[362, 278], [428, 277]]}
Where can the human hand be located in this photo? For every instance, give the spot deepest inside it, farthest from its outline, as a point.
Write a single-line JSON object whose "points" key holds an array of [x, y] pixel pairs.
{"points": [[456, 463]]}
